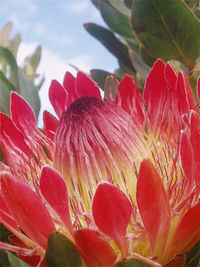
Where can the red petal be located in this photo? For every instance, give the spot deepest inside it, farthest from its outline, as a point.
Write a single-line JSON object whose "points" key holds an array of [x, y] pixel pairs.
{"points": [[131, 99], [69, 85], [95, 251], [54, 190], [12, 136], [155, 89], [184, 94], [27, 209], [153, 205], [50, 124], [195, 141], [187, 157], [58, 97], [188, 229], [86, 87], [12, 140], [112, 212], [171, 76], [21, 111]]}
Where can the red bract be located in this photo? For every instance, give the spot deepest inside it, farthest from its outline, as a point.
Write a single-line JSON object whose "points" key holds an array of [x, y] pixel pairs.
{"points": [[118, 177]]}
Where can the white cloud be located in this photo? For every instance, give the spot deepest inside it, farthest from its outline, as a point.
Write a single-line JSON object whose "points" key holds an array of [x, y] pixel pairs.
{"points": [[76, 7]]}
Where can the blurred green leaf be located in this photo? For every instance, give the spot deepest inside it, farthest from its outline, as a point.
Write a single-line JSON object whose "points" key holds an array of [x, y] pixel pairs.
{"points": [[99, 76], [10, 59], [4, 98], [61, 252], [167, 29], [28, 91], [132, 263], [193, 256], [4, 33], [108, 39], [34, 59], [14, 44]]}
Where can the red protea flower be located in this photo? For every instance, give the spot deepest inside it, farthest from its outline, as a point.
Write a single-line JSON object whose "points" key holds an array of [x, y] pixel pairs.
{"points": [[118, 178]]}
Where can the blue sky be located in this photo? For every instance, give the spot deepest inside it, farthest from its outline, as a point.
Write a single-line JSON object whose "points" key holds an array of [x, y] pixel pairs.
{"points": [[57, 25]]}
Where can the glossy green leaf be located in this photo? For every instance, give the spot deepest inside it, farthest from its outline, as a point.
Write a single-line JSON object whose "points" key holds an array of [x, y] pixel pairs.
{"points": [[61, 252], [133, 263], [193, 256], [15, 261], [99, 76], [110, 41], [29, 92], [117, 21], [167, 29], [10, 59]]}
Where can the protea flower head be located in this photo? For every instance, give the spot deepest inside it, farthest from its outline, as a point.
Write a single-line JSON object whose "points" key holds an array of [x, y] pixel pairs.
{"points": [[119, 178]]}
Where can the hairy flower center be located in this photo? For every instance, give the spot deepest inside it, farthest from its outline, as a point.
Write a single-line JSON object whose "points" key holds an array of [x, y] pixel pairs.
{"points": [[81, 108]]}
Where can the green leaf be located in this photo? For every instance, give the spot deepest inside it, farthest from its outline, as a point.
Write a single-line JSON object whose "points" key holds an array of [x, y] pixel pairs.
{"points": [[4, 33], [10, 59], [193, 82], [29, 92], [121, 6], [167, 29], [4, 98], [15, 261], [108, 39], [14, 44], [110, 87], [193, 256], [62, 252], [117, 21], [99, 76], [133, 263], [139, 65]]}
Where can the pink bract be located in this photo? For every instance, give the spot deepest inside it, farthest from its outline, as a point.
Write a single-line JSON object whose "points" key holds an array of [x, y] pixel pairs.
{"points": [[119, 178]]}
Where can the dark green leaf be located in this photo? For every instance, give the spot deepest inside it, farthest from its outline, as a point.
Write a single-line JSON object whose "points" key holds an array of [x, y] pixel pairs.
{"points": [[29, 92], [61, 252], [108, 39], [133, 263], [167, 29], [4, 234], [14, 261], [193, 256], [10, 59], [99, 76]]}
